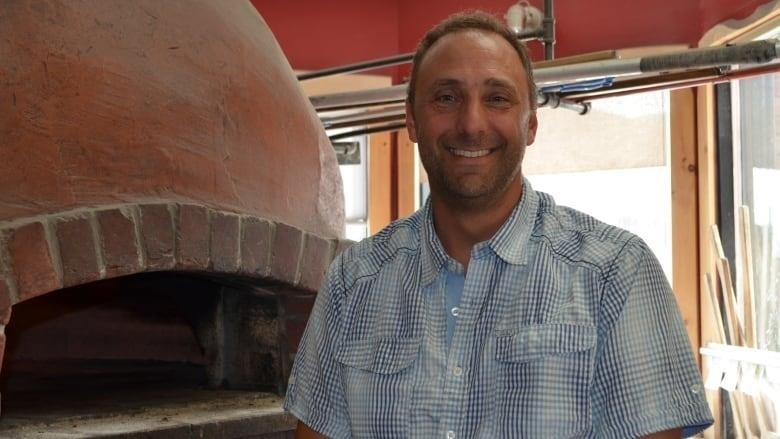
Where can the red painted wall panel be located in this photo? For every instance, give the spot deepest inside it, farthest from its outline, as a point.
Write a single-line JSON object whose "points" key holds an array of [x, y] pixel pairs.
{"points": [[316, 34]]}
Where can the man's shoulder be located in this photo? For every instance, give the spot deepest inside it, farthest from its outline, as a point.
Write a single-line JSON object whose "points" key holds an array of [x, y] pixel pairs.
{"points": [[401, 237], [580, 236]]}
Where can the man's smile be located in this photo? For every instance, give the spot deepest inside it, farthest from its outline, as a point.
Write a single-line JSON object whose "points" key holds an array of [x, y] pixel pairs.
{"points": [[470, 153]]}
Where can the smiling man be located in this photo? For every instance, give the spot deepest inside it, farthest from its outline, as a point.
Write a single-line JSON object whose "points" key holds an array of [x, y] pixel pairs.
{"points": [[492, 312]]}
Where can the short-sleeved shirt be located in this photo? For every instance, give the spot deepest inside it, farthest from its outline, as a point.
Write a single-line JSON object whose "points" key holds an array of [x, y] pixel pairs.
{"points": [[566, 328]]}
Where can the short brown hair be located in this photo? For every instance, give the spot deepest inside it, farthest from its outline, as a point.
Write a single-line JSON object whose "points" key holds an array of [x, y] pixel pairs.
{"points": [[468, 20]]}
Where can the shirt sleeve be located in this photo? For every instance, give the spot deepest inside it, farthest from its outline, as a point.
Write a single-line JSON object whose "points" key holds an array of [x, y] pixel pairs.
{"points": [[314, 390], [646, 377]]}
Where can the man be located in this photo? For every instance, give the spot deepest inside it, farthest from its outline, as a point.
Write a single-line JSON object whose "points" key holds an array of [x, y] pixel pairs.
{"points": [[492, 312]]}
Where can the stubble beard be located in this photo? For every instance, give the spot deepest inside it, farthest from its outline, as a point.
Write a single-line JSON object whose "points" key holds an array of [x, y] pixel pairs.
{"points": [[470, 191]]}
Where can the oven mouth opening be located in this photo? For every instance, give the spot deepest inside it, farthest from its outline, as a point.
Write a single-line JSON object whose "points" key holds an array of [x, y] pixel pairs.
{"points": [[159, 353]]}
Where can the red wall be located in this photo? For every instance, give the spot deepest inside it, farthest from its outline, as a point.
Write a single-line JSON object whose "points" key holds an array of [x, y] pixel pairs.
{"points": [[316, 34], [581, 27]]}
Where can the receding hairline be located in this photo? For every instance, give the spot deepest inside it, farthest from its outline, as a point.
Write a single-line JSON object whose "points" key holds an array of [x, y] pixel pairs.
{"points": [[522, 73], [478, 21]]}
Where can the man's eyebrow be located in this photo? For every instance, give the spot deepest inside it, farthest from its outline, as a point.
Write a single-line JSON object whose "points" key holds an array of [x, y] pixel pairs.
{"points": [[496, 82]]}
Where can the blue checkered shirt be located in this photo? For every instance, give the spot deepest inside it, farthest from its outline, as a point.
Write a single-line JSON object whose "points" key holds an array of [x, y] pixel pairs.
{"points": [[567, 328]]}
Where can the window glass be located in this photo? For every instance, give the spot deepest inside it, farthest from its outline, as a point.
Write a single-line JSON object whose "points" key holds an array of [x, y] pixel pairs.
{"points": [[757, 182]]}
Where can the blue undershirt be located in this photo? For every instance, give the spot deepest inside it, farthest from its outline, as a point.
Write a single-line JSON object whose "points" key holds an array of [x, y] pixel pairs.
{"points": [[453, 291]]}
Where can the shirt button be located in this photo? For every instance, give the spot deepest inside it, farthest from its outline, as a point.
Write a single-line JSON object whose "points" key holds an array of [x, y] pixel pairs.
{"points": [[454, 311], [458, 371], [450, 434]]}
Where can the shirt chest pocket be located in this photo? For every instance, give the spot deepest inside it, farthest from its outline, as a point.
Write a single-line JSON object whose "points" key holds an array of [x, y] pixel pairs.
{"points": [[382, 356], [545, 371], [378, 377], [534, 342]]}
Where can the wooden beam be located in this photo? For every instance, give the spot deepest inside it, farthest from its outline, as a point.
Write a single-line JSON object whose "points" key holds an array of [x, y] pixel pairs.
{"points": [[683, 160], [380, 161], [406, 186]]}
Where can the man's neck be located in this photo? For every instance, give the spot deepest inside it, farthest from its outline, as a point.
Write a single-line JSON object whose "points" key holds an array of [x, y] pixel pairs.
{"points": [[459, 230]]}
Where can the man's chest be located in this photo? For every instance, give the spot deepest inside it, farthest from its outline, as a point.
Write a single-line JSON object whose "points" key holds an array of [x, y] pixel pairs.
{"points": [[520, 361]]}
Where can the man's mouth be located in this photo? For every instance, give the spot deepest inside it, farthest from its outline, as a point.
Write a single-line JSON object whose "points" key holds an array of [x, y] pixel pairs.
{"points": [[469, 153]]}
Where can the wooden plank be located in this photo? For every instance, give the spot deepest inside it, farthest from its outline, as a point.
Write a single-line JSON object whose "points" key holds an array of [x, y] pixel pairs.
{"points": [[683, 159], [716, 311], [748, 287], [727, 290], [405, 183], [379, 181]]}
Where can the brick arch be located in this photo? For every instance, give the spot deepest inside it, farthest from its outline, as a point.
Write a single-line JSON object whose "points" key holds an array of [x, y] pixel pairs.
{"points": [[46, 253]]}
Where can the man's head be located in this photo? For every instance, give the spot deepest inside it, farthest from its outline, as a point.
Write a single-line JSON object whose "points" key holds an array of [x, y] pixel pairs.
{"points": [[471, 109], [476, 20]]}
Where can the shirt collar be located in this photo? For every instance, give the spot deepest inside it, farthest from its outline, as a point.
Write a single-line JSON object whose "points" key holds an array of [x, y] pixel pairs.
{"points": [[510, 242], [433, 254]]}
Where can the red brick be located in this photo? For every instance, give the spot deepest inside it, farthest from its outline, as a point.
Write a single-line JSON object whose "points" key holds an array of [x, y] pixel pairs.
{"points": [[286, 253], [80, 262], [192, 237], [224, 242], [316, 257], [157, 236], [118, 242], [255, 246], [31, 262]]}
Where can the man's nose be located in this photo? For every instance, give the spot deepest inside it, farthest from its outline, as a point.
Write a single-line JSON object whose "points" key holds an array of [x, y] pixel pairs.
{"points": [[472, 117]]}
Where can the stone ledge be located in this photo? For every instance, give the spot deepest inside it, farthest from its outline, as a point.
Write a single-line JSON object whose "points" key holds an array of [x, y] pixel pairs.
{"points": [[185, 414]]}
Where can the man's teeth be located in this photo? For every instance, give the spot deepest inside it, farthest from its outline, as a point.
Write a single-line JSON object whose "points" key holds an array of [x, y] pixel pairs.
{"points": [[465, 153]]}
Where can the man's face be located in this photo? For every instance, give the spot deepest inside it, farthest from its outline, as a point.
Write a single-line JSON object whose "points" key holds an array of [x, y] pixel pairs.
{"points": [[471, 117]]}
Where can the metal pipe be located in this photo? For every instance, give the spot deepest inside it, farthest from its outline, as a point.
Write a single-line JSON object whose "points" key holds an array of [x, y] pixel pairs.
{"points": [[363, 98], [754, 52], [553, 100], [587, 70], [359, 66], [368, 130], [747, 53], [548, 24], [367, 117], [621, 89]]}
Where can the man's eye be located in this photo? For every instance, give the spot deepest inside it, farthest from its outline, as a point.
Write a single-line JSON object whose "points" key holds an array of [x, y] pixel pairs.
{"points": [[498, 99], [445, 98]]}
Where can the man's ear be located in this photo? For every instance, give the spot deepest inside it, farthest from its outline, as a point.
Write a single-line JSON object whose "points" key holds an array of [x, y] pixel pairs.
{"points": [[533, 123], [410, 125]]}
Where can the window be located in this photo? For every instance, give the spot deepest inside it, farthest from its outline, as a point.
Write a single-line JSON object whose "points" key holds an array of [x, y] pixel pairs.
{"points": [[755, 114]]}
